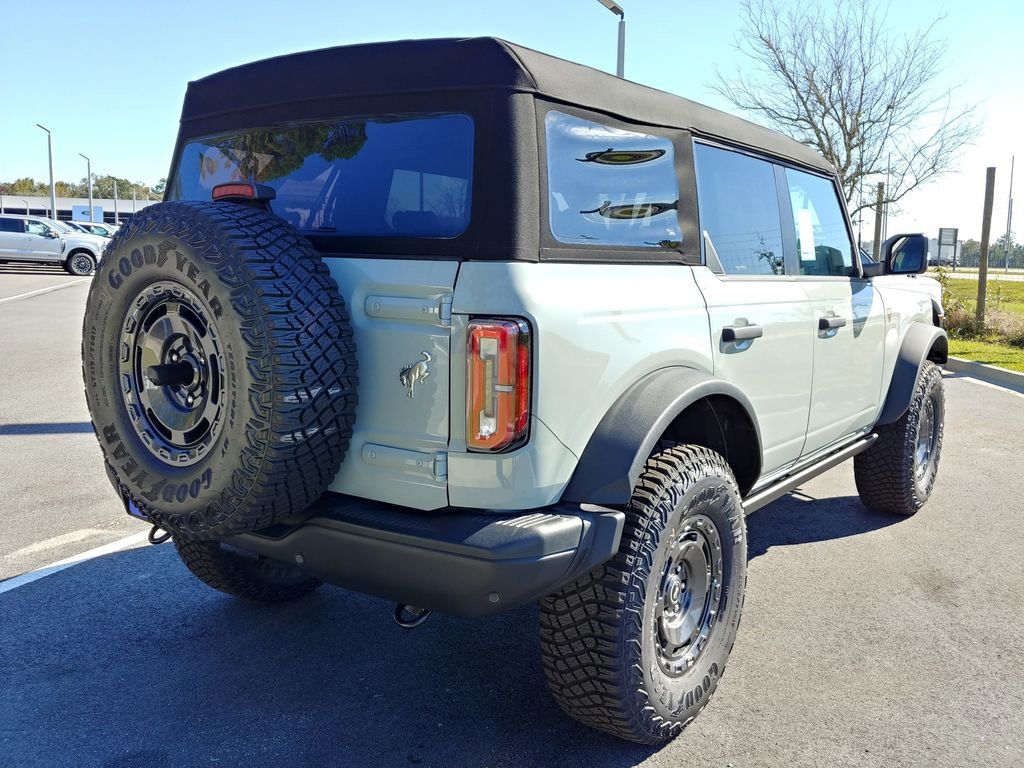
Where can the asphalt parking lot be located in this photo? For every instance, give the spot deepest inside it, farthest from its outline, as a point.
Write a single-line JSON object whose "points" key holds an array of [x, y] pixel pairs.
{"points": [[866, 640]]}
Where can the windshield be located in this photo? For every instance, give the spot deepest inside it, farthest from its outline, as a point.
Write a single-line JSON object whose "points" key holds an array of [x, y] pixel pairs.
{"points": [[393, 175]]}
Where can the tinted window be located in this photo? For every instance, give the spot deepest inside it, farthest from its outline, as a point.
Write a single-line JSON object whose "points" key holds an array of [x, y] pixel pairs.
{"points": [[609, 186], [739, 209], [823, 242], [11, 225], [374, 176]]}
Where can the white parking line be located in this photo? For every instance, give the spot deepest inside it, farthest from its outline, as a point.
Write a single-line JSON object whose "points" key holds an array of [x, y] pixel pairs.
{"points": [[980, 383], [43, 290], [107, 549]]}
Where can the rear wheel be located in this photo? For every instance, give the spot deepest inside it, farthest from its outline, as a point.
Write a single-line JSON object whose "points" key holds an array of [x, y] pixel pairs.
{"points": [[243, 574], [637, 647], [80, 264], [897, 473]]}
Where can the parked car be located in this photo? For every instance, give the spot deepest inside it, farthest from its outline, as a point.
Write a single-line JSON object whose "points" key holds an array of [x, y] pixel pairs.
{"points": [[94, 227], [45, 241], [594, 325]]}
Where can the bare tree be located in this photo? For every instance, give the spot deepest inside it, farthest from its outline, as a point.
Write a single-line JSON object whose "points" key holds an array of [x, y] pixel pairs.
{"points": [[832, 76]]}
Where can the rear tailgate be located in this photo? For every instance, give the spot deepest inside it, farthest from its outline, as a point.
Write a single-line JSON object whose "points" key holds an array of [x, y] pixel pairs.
{"points": [[401, 318]]}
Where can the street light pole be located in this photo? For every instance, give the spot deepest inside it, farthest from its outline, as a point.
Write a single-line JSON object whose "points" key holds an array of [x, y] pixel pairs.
{"points": [[620, 64], [53, 189], [88, 177], [1009, 220], [116, 221]]}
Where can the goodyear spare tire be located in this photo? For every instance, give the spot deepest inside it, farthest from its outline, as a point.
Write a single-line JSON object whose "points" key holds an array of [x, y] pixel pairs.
{"points": [[219, 368]]}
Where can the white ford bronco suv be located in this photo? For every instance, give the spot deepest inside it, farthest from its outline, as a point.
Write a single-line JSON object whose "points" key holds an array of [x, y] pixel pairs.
{"points": [[481, 327]]}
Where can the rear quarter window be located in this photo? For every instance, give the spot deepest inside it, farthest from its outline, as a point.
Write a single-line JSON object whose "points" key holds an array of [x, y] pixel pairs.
{"points": [[388, 175], [609, 186]]}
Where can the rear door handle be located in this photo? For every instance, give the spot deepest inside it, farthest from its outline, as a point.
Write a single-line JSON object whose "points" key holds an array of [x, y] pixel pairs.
{"points": [[830, 323], [742, 332]]}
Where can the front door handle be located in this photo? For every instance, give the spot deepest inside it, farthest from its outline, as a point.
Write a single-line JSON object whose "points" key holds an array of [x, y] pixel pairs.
{"points": [[742, 332], [830, 323]]}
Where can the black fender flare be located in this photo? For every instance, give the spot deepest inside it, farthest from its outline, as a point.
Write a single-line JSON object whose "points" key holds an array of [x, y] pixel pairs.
{"points": [[921, 342], [610, 465]]}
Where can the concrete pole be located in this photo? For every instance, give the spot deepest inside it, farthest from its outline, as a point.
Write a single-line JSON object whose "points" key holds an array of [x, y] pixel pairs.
{"points": [[986, 230], [877, 247], [116, 222]]}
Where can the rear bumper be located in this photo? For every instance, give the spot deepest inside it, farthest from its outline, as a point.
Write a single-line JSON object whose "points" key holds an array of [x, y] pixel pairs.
{"points": [[461, 562]]}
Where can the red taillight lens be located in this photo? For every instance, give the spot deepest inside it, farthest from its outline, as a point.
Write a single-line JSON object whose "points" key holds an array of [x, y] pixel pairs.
{"points": [[234, 189], [497, 384]]}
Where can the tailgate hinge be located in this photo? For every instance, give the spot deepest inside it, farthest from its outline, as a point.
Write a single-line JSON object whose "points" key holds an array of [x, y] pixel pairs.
{"points": [[445, 310], [441, 466]]}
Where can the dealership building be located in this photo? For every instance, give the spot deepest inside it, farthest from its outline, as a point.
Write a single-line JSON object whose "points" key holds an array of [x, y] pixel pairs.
{"points": [[74, 208]]}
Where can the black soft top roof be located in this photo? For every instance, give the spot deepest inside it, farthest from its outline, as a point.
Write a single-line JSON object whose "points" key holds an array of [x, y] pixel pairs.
{"points": [[468, 64]]}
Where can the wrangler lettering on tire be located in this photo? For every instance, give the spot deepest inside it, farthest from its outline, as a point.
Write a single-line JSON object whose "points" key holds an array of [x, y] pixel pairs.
{"points": [[219, 368]]}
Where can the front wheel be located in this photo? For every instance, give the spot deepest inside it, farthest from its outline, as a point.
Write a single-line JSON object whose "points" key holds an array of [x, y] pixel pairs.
{"points": [[637, 647], [80, 264], [897, 473]]}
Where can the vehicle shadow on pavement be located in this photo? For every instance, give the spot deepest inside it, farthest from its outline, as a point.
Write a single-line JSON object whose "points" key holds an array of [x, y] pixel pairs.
{"points": [[800, 519], [127, 660]]}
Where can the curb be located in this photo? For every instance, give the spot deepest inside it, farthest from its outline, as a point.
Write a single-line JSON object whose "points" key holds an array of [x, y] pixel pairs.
{"points": [[992, 374]]}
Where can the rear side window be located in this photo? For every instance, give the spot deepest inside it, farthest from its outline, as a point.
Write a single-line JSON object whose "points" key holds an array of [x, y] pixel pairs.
{"points": [[12, 225], [739, 209], [608, 186], [823, 242], [391, 175]]}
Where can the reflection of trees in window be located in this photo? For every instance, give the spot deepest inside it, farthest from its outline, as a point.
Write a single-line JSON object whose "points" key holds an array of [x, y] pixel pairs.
{"points": [[622, 156], [271, 153], [764, 253]]}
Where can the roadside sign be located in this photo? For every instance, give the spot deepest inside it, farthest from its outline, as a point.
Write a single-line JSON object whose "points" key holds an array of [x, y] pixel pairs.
{"points": [[81, 213], [947, 243]]}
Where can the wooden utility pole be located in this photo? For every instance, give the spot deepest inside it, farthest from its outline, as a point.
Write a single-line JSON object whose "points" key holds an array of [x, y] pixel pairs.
{"points": [[877, 247], [986, 230]]}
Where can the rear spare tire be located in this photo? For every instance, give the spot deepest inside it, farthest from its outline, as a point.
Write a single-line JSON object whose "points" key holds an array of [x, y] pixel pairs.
{"points": [[219, 368]]}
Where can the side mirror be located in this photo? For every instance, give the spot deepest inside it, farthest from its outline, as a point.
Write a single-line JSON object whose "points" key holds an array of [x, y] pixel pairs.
{"points": [[51, 234], [905, 254]]}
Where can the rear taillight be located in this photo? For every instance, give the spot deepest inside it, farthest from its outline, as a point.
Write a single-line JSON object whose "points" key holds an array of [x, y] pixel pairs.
{"points": [[497, 384]]}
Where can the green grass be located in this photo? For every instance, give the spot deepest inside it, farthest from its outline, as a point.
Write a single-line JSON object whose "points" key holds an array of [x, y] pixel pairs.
{"points": [[988, 352], [1010, 293]]}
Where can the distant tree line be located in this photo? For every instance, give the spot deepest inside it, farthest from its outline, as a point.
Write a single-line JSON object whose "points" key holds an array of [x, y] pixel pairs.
{"points": [[102, 186], [970, 254]]}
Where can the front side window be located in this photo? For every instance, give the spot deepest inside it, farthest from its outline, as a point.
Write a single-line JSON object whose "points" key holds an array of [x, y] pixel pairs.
{"points": [[36, 228], [823, 242], [392, 175], [608, 186], [739, 210]]}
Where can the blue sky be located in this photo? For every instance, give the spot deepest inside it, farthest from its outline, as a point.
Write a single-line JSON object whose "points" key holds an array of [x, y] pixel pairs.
{"points": [[113, 84]]}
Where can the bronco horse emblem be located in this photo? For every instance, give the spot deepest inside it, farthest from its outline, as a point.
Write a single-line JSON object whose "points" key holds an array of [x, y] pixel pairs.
{"points": [[413, 373]]}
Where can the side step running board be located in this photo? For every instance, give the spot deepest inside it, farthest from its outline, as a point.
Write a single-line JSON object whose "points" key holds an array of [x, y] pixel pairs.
{"points": [[785, 485]]}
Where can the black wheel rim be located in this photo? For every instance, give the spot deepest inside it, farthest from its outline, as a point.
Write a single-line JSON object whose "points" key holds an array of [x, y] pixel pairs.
{"points": [[927, 439], [689, 595], [171, 370], [81, 264]]}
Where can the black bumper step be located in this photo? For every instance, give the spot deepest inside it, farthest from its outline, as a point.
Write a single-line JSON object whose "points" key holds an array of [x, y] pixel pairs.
{"points": [[461, 562]]}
